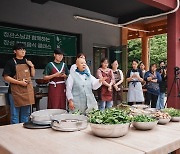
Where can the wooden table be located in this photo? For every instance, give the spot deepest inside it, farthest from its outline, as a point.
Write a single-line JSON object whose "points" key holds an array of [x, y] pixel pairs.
{"points": [[173, 125], [161, 140], [18, 140]]}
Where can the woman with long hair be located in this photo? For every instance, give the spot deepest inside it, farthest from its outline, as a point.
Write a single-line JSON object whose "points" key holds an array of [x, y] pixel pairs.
{"points": [[142, 68], [106, 91]]}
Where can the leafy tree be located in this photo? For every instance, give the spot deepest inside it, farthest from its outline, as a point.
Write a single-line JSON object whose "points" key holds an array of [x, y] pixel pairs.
{"points": [[157, 49], [134, 50]]}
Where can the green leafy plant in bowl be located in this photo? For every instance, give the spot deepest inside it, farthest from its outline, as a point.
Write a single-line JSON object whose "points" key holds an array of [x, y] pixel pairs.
{"points": [[174, 113], [109, 123], [109, 116], [143, 118], [144, 122]]}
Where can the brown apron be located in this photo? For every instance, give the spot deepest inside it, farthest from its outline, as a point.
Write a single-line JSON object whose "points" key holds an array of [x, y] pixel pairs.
{"points": [[22, 96]]}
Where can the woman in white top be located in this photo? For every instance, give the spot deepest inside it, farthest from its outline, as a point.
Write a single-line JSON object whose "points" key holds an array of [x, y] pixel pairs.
{"points": [[135, 78], [117, 87], [74, 66]]}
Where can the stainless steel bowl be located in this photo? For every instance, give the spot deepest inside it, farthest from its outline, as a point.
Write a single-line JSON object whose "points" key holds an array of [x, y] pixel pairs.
{"points": [[115, 130], [175, 119], [69, 122], [163, 121], [43, 117], [144, 125]]}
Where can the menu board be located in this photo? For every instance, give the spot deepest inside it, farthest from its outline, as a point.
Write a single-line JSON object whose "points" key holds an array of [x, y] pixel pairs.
{"points": [[37, 43]]}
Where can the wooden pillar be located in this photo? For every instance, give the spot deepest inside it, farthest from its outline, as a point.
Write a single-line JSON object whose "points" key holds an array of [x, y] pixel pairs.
{"points": [[145, 51], [124, 43], [173, 58]]}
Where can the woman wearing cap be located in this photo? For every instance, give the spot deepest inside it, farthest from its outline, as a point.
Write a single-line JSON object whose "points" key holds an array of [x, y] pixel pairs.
{"points": [[56, 72]]}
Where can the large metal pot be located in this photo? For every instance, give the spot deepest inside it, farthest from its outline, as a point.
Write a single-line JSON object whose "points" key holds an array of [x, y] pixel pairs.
{"points": [[69, 122], [115, 130], [43, 117]]}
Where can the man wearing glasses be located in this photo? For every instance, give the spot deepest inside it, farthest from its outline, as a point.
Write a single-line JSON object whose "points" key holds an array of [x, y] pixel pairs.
{"points": [[18, 72]]}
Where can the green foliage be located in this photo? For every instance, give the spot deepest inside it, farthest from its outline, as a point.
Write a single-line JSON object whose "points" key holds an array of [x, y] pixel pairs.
{"points": [[109, 116], [143, 118], [172, 112], [157, 49]]}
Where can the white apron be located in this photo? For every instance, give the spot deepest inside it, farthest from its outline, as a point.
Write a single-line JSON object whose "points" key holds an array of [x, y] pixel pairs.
{"points": [[135, 92]]}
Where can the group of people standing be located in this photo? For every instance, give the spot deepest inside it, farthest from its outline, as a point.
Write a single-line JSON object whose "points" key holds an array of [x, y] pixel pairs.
{"points": [[80, 83], [72, 89], [154, 81]]}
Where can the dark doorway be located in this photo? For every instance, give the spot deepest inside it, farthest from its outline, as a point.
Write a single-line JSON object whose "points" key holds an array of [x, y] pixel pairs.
{"points": [[98, 54]]}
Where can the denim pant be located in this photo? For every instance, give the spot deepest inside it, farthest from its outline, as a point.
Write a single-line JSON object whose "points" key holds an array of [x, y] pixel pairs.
{"points": [[160, 101], [105, 104], [18, 114]]}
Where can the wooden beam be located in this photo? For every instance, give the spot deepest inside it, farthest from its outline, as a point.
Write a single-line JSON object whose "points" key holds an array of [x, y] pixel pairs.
{"points": [[155, 28], [157, 32], [154, 24], [133, 37], [165, 5]]}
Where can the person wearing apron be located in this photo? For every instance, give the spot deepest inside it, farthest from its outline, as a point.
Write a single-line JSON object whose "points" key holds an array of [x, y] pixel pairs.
{"points": [[56, 72], [117, 87], [18, 72], [135, 78], [79, 89], [106, 90]]}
